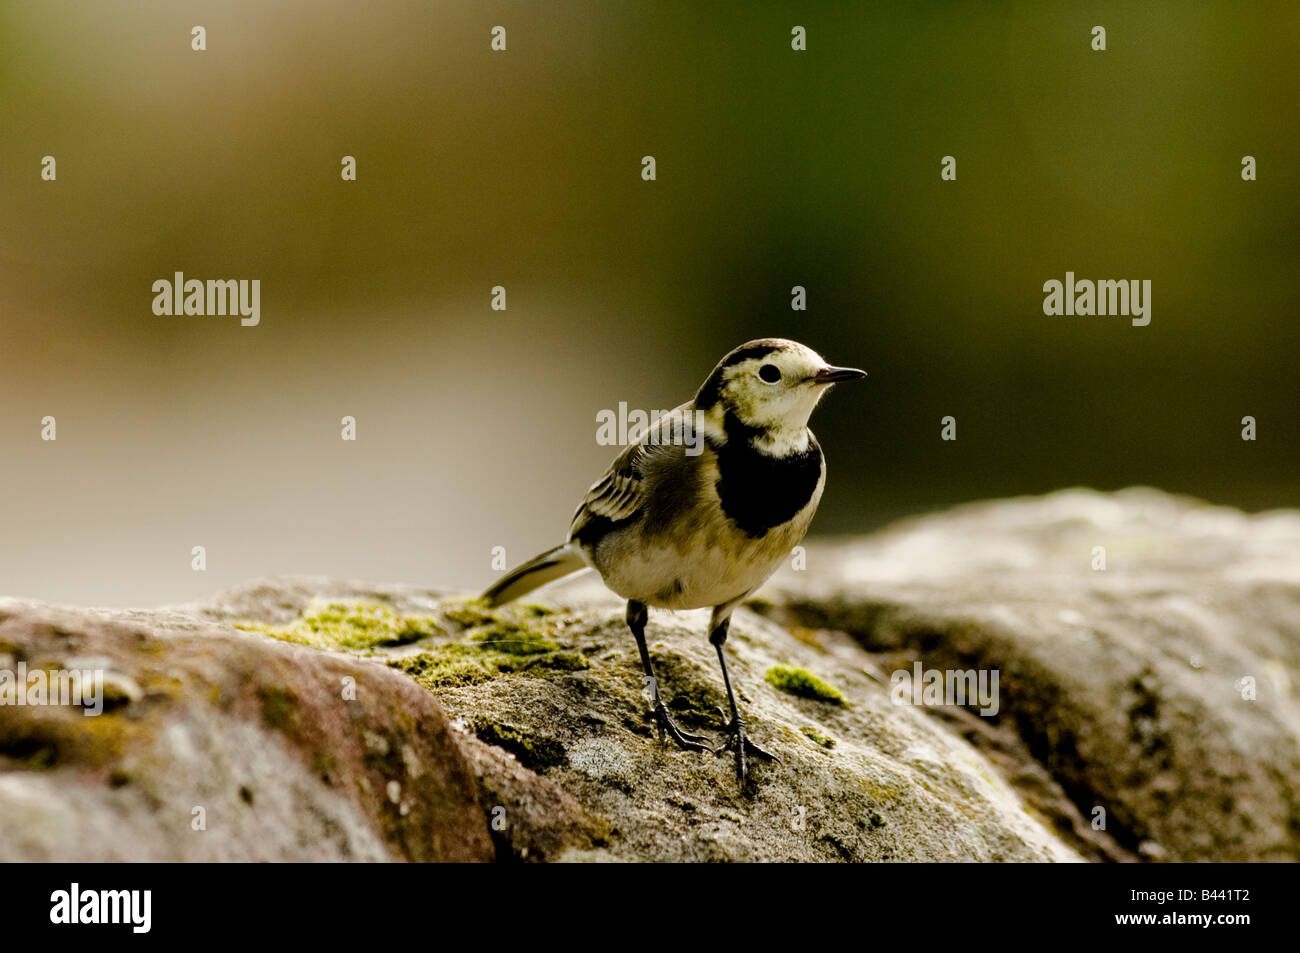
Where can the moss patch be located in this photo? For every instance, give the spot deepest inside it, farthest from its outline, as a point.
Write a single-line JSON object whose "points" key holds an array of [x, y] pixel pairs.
{"points": [[511, 639], [457, 664], [349, 625], [515, 629], [446, 666], [534, 751], [468, 614], [804, 684], [551, 661], [514, 638]]}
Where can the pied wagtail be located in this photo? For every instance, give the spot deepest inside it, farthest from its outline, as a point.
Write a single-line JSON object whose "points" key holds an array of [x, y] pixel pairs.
{"points": [[674, 529]]}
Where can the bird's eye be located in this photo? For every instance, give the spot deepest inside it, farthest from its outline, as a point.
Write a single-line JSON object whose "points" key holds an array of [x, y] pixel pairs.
{"points": [[770, 373]]}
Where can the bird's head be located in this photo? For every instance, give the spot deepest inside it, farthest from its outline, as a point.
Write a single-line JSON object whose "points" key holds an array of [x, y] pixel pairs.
{"points": [[770, 385]]}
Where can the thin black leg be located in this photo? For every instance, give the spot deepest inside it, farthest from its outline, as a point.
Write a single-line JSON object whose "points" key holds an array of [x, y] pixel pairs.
{"points": [[735, 731], [637, 615]]}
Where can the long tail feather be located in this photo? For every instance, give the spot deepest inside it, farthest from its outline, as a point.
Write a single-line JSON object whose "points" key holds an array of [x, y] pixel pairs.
{"points": [[537, 572]]}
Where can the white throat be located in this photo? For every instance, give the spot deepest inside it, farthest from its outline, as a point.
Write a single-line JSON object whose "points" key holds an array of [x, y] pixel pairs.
{"points": [[782, 441]]}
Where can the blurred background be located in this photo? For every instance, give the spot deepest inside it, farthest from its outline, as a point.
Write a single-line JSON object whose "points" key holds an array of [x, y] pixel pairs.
{"points": [[476, 428]]}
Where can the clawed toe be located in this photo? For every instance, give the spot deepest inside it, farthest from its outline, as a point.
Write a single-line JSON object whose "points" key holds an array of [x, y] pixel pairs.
{"points": [[738, 742], [750, 748], [683, 739], [734, 733]]}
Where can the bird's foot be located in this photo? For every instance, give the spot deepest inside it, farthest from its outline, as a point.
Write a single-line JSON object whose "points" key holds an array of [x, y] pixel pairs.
{"points": [[683, 739], [738, 742]]}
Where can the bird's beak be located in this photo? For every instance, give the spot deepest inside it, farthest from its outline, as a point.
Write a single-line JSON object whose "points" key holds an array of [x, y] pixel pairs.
{"points": [[832, 375]]}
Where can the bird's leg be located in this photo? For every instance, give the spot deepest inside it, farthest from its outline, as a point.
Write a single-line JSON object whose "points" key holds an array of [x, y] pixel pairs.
{"points": [[637, 615], [735, 731]]}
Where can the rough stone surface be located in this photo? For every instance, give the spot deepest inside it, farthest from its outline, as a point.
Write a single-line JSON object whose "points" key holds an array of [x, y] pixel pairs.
{"points": [[1161, 689], [1119, 689], [570, 765], [222, 745]]}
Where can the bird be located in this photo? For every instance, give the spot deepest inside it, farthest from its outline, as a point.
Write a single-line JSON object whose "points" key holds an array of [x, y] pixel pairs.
{"points": [[702, 506]]}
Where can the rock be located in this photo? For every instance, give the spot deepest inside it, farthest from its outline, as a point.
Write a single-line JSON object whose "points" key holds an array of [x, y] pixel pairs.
{"points": [[216, 744], [1160, 690], [546, 753], [553, 717], [523, 733]]}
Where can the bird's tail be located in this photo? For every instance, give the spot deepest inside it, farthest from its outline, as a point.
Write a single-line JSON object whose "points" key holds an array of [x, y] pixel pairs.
{"points": [[537, 572]]}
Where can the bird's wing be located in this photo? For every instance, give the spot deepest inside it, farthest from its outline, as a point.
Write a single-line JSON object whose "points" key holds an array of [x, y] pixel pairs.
{"points": [[621, 491]]}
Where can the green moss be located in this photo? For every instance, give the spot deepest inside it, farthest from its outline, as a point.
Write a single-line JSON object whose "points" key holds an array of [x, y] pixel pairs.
{"points": [[446, 666], [553, 661], [349, 625], [534, 751], [468, 614], [515, 637], [497, 641], [359, 625], [817, 737], [804, 684], [457, 664], [511, 630], [512, 639]]}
